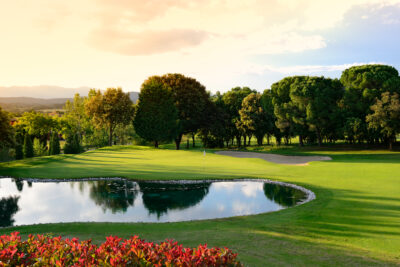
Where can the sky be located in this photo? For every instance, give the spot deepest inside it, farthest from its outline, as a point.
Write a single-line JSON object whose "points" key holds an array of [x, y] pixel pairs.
{"points": [[65, 45]]}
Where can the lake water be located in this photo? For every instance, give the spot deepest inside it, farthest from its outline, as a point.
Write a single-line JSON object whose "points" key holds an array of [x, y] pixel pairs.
{"points": [[23, 202]]}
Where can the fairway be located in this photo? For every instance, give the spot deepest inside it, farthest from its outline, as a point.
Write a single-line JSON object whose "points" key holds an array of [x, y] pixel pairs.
{"points": [[355, 219]]}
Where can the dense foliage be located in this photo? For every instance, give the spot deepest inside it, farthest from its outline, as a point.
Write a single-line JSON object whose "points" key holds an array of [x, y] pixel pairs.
{"points": [[360, 107], [54, 251]]}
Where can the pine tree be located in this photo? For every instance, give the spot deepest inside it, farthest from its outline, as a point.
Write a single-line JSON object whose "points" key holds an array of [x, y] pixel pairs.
{"points": [[28, 147], [54, 144], [72, 145], [19, 154]]}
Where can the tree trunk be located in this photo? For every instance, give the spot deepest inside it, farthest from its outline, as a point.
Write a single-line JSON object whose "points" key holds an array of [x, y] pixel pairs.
{"points": [[249, 140], [110, 137], [193, 139], [301, 140], [244, 140], [238, 140], [319, 137], [260, 140], [178, 141], [156, 144], [268, 139]]}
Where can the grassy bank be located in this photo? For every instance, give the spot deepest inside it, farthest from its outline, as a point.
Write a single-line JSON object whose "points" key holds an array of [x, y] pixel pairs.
{"points": [[355, 219]]}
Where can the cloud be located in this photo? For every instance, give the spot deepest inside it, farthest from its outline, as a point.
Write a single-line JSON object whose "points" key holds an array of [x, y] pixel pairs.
{"points": [[148, 42], [301, 69]]}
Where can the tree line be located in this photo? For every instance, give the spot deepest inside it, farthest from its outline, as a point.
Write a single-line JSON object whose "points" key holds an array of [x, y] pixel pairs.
{"points": [[363, 106]]}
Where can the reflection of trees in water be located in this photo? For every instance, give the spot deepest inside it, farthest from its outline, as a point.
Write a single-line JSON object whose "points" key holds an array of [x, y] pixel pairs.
{"points": [[158, 198], [283, 195], [8, 207], [20, 184], [116, 196]]}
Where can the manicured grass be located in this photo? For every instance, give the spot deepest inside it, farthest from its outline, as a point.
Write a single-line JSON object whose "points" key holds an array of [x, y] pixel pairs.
{"points": [[355, 219]]}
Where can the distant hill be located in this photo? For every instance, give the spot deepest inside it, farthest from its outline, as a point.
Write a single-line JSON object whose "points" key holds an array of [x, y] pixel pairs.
{"points": [[22, 104]]}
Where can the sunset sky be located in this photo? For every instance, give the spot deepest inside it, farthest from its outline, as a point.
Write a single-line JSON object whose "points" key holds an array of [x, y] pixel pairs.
{"points": [[223, 44]]}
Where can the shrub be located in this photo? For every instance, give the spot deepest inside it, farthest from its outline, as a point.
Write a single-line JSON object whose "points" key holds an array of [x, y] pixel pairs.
{"points": [[54, 251], [19, 154], [72, 145], [38, 148]]}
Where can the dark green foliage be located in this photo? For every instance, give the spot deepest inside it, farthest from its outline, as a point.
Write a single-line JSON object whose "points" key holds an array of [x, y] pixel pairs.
{"points": [[8, 208], [156, 117], [28, 147], [316, 101], [6, 130], [19, 154], [72, 145], [386, 116], [363, 84], [233, 103], [54, 144], [215, 127], [253, 117], [190, 99]]}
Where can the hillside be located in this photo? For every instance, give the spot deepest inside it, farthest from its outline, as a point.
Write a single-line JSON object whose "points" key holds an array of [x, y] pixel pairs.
{"points": [[22, 104]]}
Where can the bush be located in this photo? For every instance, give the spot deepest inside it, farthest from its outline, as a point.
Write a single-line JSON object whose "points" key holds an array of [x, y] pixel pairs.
{"points": [[19, 154], [72, 145], [38, 148], [50, 251], [28, 147]]}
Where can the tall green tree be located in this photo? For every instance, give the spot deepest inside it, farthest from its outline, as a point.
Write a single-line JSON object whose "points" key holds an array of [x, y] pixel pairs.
{"points": [[317, 99], [110, 109], [254, 117], [386, 116], [268, 107], [233, 102], [289, 119], [363, 84], [156, 117], [54, 148], [6, 130], [38, 125], [190, 99], [28, 147]]}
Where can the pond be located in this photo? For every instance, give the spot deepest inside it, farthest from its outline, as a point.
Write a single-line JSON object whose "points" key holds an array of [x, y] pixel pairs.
{"points": [[28, 202]]}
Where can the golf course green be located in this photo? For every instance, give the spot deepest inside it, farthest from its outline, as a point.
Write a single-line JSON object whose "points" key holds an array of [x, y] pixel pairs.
{"points": [[354, 220]]}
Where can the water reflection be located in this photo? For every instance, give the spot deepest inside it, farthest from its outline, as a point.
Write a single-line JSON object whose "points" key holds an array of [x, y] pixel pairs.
{"points": [[158, 198], [284, 195], [128, 201], [8, 207], [115, 196]]}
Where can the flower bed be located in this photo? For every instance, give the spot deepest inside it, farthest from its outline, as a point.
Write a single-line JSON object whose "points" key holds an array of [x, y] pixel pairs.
{"points": [[45, 250]]}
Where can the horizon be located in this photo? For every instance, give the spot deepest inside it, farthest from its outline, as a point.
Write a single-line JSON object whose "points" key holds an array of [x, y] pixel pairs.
{"points": [[71, 46]]}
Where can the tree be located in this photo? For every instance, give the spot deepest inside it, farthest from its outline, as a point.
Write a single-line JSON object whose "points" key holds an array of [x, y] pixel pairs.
{"points": [[190, 98], [253, 117], [233, 102], [38, 148], [289, 119], [316, 99], [6, 130], [268, 107], [72, 144], [363, 84], [386, 116], [38, 125], [110, 109], [54, 144], [156, 117], [28, 147]]}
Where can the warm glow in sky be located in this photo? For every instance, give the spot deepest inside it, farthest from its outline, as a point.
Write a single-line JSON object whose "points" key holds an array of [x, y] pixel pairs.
{"points": [[223, 44]]}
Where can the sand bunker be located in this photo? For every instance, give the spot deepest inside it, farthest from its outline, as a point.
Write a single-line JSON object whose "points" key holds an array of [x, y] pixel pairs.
{"points": [[280, 159]]}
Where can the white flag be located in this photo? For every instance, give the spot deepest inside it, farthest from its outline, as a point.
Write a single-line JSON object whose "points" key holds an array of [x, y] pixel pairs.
{"points": [[204, 153]]}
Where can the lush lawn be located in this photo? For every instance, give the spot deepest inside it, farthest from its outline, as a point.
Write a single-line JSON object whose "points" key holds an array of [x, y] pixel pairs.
{"points": [[355, 219]]}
